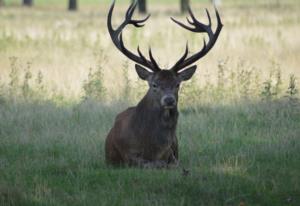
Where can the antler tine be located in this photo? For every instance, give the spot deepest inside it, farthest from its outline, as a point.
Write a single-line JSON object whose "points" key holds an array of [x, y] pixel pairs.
{"points": [[193, 16], [139, 23], [154, 63], [218, 17], [109, 17], [199, 27], [188, 20], [130, 10], [129, 14], [141, 54], [154, 66], [208, 16], [116, 36], [175, 67], [183, 25]]}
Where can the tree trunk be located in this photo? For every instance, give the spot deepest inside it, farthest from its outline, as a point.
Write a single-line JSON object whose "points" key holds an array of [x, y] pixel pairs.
{"points": [[1, 3], [184, 5], [72, 5], [142, 5], [27, 2]]}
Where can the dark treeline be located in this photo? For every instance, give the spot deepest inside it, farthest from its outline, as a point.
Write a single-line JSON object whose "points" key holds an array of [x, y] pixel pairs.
{"points": [[27, 2], [142, 4], [184, 5], [72, 5]]}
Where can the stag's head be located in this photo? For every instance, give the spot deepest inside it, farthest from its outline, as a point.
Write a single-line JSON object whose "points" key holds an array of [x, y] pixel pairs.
{"points": [[164, 83]]}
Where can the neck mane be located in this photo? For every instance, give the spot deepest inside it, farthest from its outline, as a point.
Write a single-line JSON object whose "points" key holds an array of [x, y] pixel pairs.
{"points": [[150, 113]]}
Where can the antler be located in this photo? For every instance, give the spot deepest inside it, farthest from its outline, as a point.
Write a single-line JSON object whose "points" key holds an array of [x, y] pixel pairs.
{"points": [[198, 27], [116, 36]]}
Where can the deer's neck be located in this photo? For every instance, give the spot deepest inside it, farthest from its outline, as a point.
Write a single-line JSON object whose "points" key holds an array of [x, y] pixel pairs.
{"points": [[150, 113]]}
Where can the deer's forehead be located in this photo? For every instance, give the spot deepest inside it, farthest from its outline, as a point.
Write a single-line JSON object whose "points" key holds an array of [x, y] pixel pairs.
{"points": [[165, 76]]}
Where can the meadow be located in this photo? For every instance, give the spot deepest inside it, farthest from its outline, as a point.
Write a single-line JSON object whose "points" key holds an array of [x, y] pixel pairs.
{"points": [[62, 82]]}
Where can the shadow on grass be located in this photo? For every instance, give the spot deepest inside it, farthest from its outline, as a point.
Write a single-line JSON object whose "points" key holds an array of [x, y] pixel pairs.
{"points": [[245, 153]]}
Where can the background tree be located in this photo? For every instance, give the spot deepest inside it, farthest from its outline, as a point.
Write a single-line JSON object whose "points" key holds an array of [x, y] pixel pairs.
{"points": [[184, 5], [142, 5], [72, 5], [27, 2], [1, 2]]}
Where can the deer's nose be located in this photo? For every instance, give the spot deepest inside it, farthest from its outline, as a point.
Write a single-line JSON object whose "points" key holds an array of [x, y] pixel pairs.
{"points": [[169, 101]]}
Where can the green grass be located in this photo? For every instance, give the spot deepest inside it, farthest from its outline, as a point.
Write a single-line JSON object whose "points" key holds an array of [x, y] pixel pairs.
{"points": [[248, 152], [239, 125]]}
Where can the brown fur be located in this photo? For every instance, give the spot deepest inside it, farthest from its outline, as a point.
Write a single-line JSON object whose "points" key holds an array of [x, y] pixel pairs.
{"points": [[143, 136]]}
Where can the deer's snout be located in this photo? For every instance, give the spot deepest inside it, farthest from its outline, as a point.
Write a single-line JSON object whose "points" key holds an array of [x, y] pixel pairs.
{"points": [[168, 101]]}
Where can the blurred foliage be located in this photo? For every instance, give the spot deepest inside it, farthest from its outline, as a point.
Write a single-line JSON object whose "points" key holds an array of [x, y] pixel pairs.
{"points": [[93, 2]]}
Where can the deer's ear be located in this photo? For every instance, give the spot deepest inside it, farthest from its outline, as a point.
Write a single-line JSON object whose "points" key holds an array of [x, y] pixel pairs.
{"points": [[187, 73], [143, 73]]}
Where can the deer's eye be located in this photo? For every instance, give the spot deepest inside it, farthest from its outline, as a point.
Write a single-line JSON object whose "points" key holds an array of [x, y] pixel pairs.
{"points": [[154, 85]]}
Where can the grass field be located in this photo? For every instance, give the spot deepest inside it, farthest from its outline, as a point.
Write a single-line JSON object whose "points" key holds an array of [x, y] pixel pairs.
{"points": [[62, 83]]}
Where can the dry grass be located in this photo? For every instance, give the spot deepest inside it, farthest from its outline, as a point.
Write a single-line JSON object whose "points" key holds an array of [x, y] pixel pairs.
{"points": [[63, 46]]}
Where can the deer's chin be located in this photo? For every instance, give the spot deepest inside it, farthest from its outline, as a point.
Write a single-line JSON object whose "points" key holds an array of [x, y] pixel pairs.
{"points": [[169, 107]]}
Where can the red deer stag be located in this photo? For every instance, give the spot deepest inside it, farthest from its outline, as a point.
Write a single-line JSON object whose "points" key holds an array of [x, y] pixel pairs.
{"points": [[145, 135]]}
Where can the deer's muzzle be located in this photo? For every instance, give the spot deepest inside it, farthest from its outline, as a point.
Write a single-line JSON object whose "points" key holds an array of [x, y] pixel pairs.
{"points": [[168, 101]]}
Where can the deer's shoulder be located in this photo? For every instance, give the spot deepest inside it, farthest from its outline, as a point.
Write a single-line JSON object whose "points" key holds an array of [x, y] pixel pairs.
{"points": [[125, 115]]}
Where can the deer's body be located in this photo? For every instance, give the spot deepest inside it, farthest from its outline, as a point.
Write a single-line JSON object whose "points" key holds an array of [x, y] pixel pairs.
{"points": [[145, 135]]}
